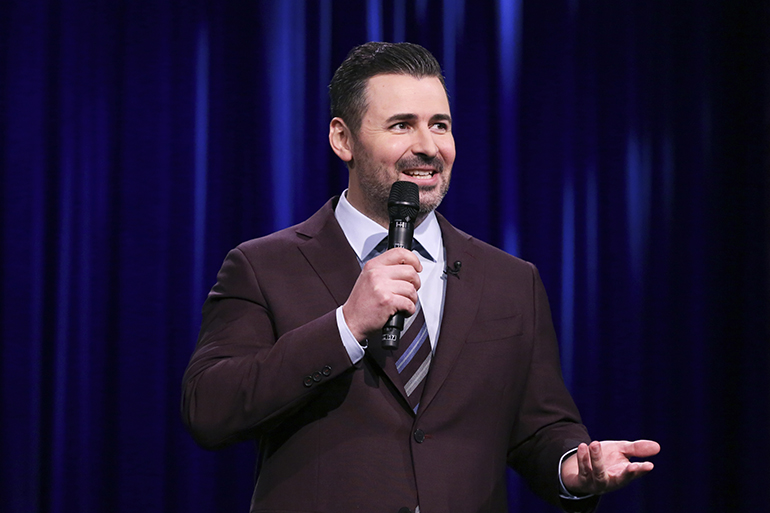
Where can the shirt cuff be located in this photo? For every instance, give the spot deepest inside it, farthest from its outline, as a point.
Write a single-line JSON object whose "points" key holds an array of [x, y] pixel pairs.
{"points": [[564, 493], [354, 348]]}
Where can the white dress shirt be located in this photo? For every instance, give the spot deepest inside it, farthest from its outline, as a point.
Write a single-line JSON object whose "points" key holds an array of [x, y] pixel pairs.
{"points": [[363, 235]]}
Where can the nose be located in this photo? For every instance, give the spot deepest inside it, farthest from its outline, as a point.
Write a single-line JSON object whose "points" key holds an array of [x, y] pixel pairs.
{"points": [[424, 144]]}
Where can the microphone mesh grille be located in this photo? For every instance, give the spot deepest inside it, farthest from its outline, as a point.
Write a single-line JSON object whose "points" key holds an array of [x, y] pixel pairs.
{"points": [[404, 200]]}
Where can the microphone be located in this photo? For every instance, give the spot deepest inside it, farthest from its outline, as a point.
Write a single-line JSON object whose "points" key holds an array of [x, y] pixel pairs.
{"points": [[454, 271], [403, 206]]}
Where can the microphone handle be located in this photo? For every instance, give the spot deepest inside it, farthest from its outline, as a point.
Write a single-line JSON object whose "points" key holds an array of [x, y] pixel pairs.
{"points": [[400, 234]]}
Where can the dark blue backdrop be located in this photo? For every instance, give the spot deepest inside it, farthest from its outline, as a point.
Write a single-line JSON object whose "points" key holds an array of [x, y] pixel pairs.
{"points": [[621, 146]]}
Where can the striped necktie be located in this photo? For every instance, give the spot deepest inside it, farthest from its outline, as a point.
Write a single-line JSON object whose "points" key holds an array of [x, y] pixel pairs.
{"points": [[413, 357], [414, 352]]}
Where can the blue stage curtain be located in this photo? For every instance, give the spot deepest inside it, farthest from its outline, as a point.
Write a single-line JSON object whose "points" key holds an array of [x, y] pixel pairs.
{"points": [[620, 146]]}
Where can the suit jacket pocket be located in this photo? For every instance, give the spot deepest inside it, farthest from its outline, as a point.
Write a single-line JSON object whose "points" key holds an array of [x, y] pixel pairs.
{"points": [[495, 329]]}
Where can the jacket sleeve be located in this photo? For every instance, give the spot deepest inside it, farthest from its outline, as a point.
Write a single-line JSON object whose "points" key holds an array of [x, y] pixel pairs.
{"points": [[242, 376], [549, 423]]}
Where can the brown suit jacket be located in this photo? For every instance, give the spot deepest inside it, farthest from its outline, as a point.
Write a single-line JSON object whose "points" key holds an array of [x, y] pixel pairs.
{"points": [[338, 437]]}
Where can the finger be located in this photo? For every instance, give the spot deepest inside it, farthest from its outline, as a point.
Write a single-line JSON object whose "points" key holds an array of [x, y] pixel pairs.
{"points": [[394, 276], [404, 297], [585, 470], [386, 291], [639, 468], [633, 471], [406, 273], [643, 467], [400, 256], [403, 305], [380, 273], [597, 462]]}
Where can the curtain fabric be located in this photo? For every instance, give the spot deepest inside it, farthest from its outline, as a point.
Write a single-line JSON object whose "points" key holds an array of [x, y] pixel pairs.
{"points": [[620, 146]]}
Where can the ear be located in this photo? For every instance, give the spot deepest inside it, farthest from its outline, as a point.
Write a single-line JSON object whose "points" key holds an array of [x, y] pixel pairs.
{"points": [[341, 139]]}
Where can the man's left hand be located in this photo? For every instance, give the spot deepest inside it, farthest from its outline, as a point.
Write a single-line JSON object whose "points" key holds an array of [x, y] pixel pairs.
{"points": [[602, 467]]}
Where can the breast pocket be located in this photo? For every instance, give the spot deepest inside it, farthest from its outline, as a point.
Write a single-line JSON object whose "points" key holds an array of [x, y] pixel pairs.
{"points": [[495, 329]]}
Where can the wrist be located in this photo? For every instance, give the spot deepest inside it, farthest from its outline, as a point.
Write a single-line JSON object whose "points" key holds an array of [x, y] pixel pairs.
{"points": [[358, 333]]}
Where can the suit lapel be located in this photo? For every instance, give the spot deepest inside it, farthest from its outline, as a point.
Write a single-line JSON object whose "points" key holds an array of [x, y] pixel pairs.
{"points": [[463, 294], [328, 252]]}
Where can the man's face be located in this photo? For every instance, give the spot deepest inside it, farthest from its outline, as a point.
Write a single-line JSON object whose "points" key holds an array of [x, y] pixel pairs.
{"points": [[405, 134]]}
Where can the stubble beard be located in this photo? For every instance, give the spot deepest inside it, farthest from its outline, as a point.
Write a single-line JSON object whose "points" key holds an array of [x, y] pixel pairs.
{"points": [[376, 181]]}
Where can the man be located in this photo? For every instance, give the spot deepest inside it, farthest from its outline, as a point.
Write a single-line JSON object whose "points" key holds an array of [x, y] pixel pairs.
{"points": [[289, 351]]}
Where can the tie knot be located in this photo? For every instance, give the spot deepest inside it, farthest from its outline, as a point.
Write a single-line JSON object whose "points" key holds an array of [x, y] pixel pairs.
{"points": [[382, 246]]}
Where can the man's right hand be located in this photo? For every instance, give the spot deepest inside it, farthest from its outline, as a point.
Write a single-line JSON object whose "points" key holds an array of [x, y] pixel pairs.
{"points": [[387, 284]]}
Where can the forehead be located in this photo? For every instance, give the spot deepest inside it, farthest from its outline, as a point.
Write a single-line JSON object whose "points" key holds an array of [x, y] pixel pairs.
{"points": [[404, 94]]}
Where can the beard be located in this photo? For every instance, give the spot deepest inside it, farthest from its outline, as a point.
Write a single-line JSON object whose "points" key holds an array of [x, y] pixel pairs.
{"points": [[376, 181]]}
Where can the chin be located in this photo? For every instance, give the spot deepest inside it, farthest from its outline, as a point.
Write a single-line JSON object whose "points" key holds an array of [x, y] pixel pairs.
{"points": [[431, 196], [429, 204]]}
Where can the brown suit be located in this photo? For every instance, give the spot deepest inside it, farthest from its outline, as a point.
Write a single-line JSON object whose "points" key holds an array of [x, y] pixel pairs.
{"points": [[338, 437]]}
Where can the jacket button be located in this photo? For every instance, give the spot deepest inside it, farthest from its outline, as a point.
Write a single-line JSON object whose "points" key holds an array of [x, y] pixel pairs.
{"points": [[419, 436], [316, 376], [308, 381], [326, 370]]}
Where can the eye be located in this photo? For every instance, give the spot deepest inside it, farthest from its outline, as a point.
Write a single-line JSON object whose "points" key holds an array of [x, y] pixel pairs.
{"points": [[441, 126], [401, 125]]}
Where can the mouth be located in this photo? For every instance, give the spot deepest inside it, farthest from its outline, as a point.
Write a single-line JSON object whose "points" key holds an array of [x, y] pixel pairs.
{"points": [[420, 174]]}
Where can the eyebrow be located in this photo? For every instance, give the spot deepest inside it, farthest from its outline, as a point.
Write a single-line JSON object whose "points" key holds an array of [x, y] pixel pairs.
{"points": [[412, 117]]}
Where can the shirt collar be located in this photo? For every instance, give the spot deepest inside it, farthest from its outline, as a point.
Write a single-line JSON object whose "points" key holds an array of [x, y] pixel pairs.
{"points": [[363, 234]]}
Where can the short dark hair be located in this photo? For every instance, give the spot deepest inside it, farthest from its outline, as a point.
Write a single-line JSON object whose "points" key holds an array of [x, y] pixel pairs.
{"points": [[347, 90]]}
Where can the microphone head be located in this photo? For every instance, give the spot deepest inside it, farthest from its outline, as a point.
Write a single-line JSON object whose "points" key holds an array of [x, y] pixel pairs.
{"points": [[404, 200]]}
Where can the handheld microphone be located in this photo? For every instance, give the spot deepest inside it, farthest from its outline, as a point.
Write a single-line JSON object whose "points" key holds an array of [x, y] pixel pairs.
{"points": [[403, 207]]}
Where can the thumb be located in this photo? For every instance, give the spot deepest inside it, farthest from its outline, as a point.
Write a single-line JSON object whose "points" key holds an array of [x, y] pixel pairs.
{"points": [[642, 449]]}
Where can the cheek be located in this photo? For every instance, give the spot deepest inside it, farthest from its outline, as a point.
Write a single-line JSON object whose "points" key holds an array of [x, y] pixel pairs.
{"points": [[447, 149], [396, 152], [386, 155]]}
